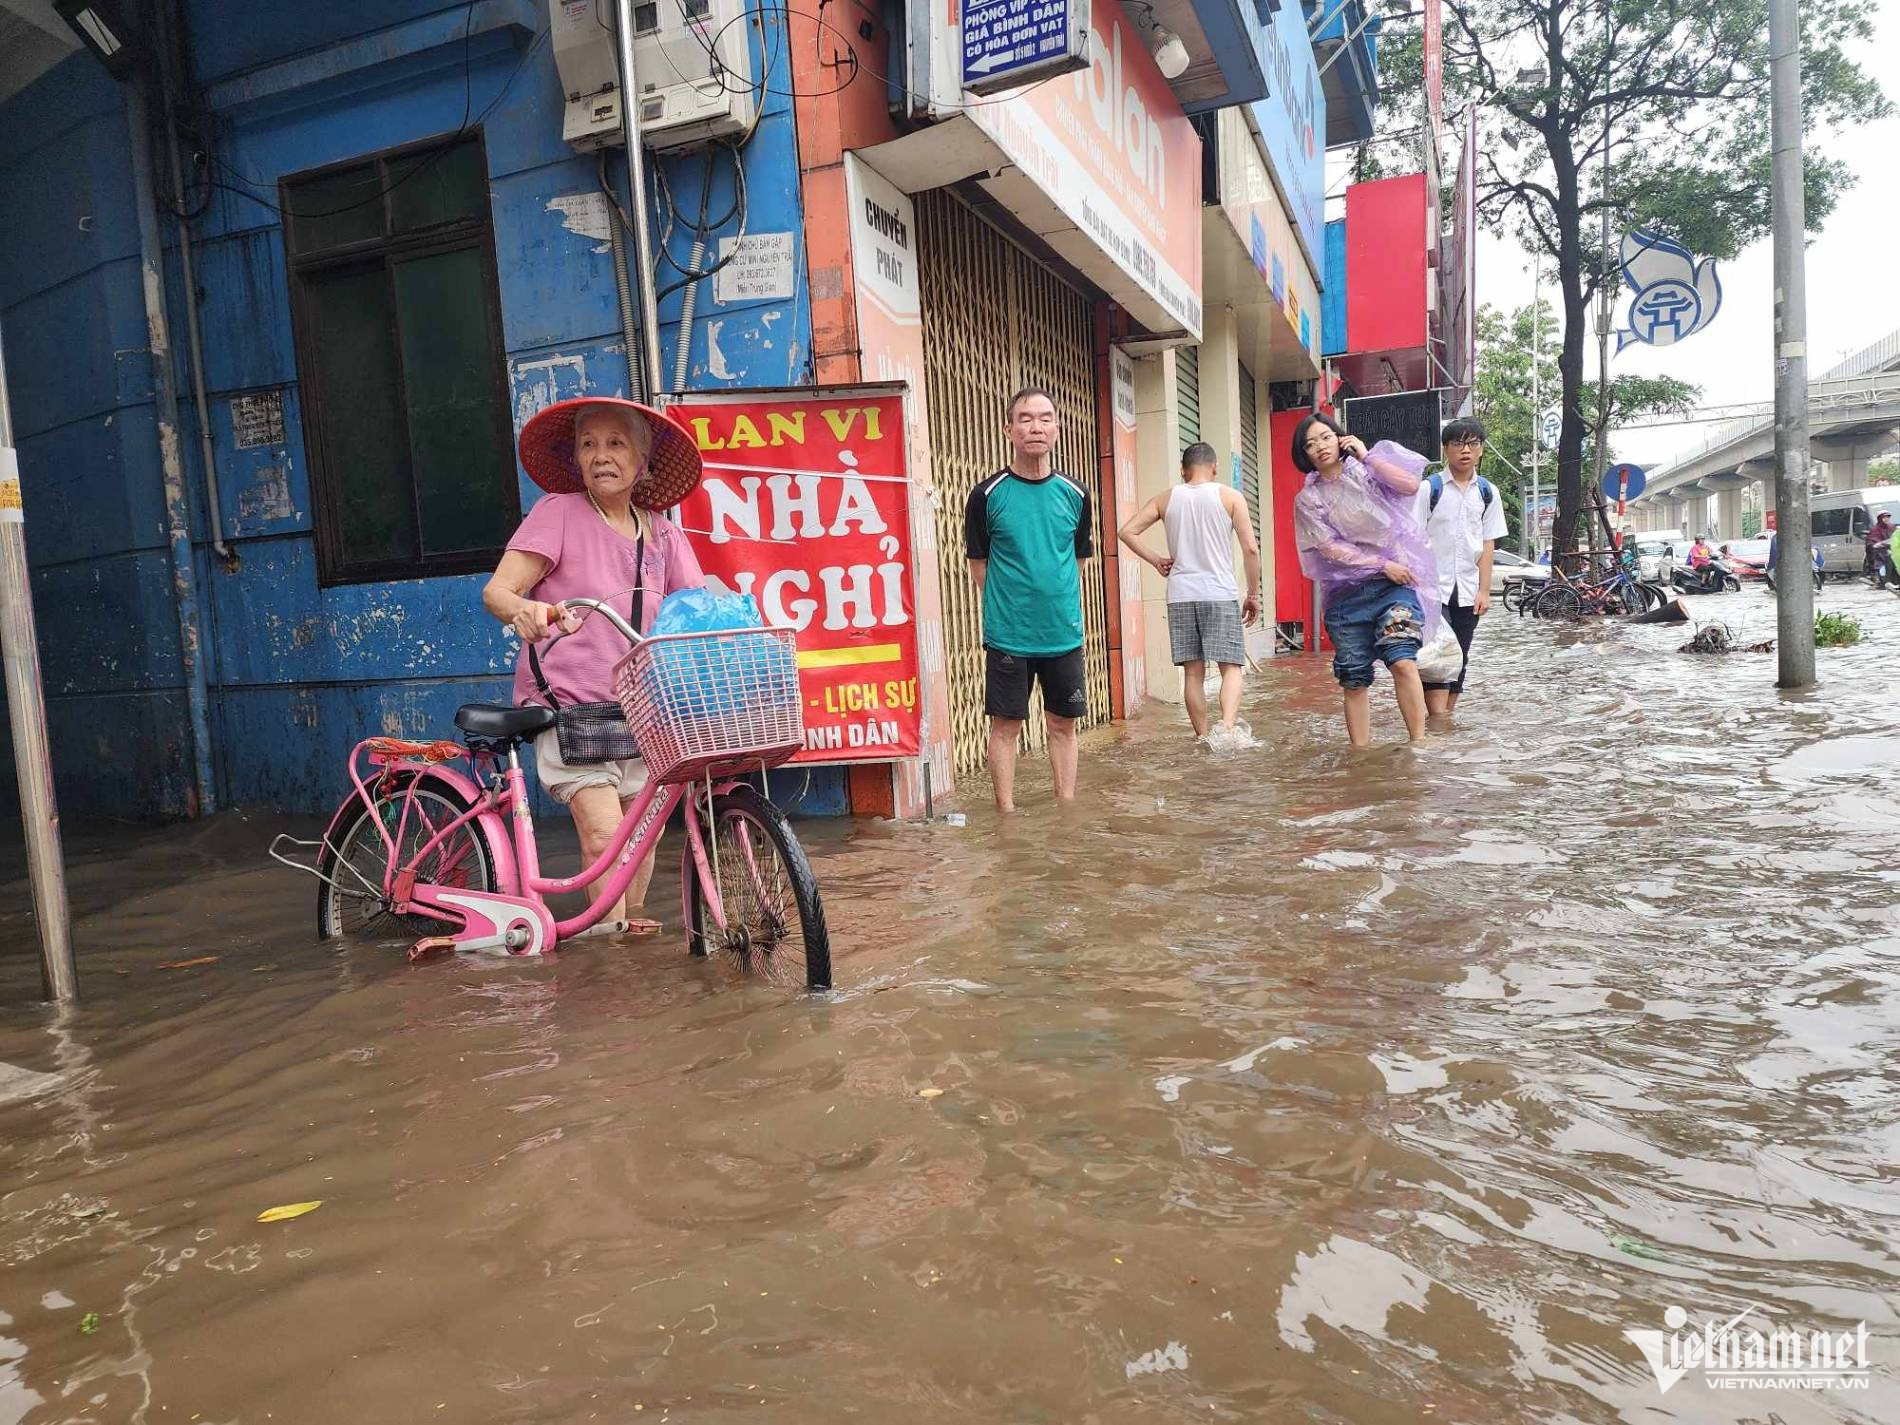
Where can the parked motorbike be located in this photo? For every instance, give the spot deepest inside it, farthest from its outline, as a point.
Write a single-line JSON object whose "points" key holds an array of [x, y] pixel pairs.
{"points": [[1715, 577]]}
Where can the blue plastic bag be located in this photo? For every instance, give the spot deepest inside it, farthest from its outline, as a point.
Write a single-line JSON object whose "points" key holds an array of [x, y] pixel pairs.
{"points": [[719, 677], [706, 611]]}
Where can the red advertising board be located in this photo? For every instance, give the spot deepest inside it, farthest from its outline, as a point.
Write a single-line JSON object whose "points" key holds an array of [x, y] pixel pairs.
{"points": [[806, 506]]}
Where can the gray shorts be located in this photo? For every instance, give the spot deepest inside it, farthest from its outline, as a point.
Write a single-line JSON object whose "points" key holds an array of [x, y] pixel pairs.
{"points": [[1206, 631]]}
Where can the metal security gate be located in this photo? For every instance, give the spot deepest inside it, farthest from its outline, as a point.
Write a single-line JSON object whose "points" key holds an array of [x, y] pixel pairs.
{"points": [[997, 319], [1187, 392], [1250, 447]]}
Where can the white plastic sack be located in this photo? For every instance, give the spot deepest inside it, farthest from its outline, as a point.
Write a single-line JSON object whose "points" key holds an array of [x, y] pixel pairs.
{"points": [[1440, 660]]}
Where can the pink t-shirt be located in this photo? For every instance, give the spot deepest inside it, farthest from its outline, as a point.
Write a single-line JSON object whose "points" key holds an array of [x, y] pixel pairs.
{"points": [[592, 560]]}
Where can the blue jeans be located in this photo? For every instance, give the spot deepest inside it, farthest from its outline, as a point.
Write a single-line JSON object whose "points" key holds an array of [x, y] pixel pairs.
{"points": [[1375, 619]]}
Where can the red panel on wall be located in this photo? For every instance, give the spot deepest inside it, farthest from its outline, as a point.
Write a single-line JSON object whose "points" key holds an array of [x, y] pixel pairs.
{"points": [[1385, 264], [1292, 598]]}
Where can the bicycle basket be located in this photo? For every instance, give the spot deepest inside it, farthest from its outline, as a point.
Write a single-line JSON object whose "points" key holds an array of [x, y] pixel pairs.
{"points": [[712, 702]]}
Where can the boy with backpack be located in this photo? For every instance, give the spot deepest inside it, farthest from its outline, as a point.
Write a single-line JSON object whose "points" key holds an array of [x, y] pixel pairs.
{"points": [[1463, 518]]}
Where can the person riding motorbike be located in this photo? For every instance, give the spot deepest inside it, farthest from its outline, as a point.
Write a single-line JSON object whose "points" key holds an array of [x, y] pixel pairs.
{"points": [[1706, 571], [1878, 564]]}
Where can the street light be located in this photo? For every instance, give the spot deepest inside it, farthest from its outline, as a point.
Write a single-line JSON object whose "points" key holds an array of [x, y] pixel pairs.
{"points": [[1171, 56]]}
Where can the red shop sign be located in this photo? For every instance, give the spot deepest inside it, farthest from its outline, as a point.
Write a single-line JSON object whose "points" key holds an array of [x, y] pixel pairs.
{"points": [[806, 506]]}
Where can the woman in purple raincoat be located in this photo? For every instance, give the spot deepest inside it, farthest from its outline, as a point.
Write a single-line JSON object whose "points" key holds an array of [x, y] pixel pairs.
{"points": [[1359, 541]]}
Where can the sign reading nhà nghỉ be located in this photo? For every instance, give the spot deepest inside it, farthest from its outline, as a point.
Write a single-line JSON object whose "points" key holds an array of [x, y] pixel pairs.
{"points": [[758, 268], [1112, 149], [806, 506]]}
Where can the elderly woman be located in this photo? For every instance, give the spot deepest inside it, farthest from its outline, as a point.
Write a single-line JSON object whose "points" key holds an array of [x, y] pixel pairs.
{"points": [[608, 465]]}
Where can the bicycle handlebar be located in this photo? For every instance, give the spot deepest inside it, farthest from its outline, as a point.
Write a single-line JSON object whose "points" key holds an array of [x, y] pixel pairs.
{"points": [[601, 606]]}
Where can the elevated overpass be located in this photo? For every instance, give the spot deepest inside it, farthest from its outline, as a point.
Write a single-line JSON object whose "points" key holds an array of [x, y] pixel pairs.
{"points": [[1853, 416]]}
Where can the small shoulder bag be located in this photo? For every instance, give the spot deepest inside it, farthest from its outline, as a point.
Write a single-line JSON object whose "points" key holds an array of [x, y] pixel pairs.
{"points": [[592, 732]]}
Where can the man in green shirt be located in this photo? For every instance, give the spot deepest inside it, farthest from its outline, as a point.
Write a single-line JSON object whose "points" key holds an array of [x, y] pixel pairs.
{"points": [[1026, 531]]}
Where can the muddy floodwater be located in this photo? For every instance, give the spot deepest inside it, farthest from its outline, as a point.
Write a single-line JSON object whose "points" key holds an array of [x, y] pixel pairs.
{"points": [[1293, 1085]]}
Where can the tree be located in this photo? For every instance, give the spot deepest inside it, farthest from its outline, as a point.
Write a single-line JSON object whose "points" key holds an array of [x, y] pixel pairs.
{"points": [[1502, 399], [1885, 471], [1674, 95]]}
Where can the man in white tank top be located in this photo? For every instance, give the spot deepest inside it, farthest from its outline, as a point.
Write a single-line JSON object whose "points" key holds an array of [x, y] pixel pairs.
{"points": [[1205, 610]]}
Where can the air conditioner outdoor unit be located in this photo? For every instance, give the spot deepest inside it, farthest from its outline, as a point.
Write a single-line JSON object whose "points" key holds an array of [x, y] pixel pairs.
{"points": [[693, 57]]}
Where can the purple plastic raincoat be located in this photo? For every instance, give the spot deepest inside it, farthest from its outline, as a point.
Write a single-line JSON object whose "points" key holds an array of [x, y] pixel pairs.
{"points": [[1349, 527]]}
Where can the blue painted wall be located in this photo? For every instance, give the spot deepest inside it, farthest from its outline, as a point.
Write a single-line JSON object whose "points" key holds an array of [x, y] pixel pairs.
{"points": [[299, 672], [1332, 301]]}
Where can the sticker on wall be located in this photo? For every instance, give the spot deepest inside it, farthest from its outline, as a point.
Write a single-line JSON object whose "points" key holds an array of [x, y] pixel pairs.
{"points": [[758, 268], [12, 508], [257, 421], [586, 215]]}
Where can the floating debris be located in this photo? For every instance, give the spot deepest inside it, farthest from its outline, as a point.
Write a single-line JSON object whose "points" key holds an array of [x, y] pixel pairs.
{"points": [[1716, 638]]}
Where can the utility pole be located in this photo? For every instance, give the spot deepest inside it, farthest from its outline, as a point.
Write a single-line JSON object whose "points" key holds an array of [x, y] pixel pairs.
{"points": [[19, 647], [1794, 549], [1537, 401], [650, 384]]}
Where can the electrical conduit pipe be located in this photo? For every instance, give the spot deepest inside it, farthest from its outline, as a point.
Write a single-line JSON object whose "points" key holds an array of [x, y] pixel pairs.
{"points": [[185, 593]]}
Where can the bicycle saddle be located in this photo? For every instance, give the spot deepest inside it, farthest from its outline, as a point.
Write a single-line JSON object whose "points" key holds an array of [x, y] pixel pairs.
{"points": [[495, 720]]}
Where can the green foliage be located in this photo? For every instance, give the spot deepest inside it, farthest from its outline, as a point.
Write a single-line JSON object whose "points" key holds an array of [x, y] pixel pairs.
{"points": [[1835, 630], [1751, 523], [1504, 399], [89, 1323], [1684, 91], [1884, 471], [1674, 95]]}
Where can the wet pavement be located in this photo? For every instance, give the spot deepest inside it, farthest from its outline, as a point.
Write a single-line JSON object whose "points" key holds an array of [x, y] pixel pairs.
{"points": [[1292, 1085]]}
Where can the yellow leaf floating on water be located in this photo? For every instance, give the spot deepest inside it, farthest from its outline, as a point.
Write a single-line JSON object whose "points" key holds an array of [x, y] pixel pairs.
{"points": [[288, 1211]]}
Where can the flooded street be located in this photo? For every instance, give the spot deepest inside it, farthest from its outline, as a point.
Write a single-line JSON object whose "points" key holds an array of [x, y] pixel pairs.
{"points": [[1292, 1085]]}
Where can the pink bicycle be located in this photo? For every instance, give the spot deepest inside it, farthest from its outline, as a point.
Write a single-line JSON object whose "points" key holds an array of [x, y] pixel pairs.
{"points": [[448, 851]]}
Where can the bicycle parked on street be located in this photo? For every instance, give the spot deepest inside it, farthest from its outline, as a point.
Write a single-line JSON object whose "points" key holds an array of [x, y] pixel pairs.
{"points": [[448, 852], [1568, 596]]}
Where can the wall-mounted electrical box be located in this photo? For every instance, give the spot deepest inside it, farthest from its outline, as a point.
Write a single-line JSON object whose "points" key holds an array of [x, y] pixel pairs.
{"points": [[693, 58]]}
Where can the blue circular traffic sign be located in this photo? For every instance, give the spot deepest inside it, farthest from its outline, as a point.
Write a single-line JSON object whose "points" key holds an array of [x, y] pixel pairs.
{"points": [[1624, 481]]}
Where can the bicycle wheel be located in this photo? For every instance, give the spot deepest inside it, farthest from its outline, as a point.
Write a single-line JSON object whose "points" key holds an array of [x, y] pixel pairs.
{"points": [[1631, 599], [350, 896], [1513, 597], [1562, 602], [775, 921]]}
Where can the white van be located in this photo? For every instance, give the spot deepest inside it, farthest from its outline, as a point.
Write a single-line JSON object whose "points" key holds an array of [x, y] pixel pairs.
{"points": [[1649, 548], [1841, 519]]}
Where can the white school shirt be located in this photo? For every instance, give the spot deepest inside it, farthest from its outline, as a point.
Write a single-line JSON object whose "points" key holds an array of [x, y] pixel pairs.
{"points": [[1458, 529]]}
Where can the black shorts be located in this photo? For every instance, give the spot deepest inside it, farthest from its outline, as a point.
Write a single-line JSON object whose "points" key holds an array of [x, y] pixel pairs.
{"points": [[1007, 678]]}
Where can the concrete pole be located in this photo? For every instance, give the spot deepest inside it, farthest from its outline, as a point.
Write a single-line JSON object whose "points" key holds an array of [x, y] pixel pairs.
{"points": [[650, 382], [1529, 549], [1794, 595], [19, 648]]}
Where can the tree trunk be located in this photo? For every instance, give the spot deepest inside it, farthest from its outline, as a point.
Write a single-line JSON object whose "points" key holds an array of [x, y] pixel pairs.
{"points": [[1563, 537]]}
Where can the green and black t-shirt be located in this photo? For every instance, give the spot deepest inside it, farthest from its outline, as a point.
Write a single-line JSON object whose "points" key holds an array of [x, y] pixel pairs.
{"points": [[1032, 532]]}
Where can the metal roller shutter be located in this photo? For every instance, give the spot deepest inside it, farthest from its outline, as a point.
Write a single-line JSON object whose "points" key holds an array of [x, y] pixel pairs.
{"points": [[997, 319], [1250, 446], [1187, 386]]}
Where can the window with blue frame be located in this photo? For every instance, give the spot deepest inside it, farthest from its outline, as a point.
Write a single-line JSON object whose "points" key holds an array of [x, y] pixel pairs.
{"points": [[397, 313]]}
